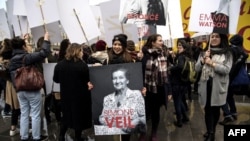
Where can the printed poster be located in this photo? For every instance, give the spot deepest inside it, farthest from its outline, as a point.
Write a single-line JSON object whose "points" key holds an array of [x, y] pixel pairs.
{"points": [[219, 16], [139, 12], [117, 103]]}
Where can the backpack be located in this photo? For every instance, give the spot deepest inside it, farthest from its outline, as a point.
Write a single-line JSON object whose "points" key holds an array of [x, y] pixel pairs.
{"points": [[239, 59], [188, 73]]}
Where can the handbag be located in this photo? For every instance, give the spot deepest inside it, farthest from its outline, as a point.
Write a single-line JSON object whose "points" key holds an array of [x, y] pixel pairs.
{"points": [[28, 78], [241, 78], [55, 98]]}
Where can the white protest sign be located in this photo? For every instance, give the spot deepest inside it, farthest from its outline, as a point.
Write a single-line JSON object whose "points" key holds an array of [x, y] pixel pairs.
{"points": [[219, 16], [41, 12], [96, 2], [78, 20], [19, 8], [175, 19], [173, 28], [98, 17], [112, 25], [54, 30], [48, 73], [4, 27]]}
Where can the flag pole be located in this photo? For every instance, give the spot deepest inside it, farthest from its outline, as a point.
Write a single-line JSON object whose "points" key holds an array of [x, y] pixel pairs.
{"points": [[19, 23], [99, 25], [122, 28], [84, 34], [41, 10]]}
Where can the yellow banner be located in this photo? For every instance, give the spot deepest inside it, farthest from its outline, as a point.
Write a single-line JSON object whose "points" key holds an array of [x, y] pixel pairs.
{"points": [[243, 23]]}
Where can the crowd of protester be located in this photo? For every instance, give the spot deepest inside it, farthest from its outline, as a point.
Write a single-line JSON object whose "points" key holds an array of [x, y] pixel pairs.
{"points": [[161, 69]]}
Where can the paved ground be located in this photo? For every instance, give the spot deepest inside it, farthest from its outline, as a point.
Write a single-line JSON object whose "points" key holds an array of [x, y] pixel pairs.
{"points": [[192, 131]]}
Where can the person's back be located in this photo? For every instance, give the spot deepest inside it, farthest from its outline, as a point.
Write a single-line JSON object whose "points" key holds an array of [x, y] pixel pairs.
{"points": [[239, 58], [30, 101]]}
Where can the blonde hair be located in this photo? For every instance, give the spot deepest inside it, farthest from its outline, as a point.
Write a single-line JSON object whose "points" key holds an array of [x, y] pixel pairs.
{"points": [[73, 52]]}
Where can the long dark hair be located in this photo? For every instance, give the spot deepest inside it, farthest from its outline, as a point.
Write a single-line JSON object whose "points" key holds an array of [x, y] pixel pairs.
{"points": [[223, 47], [63, 47], [18, 43], [152, 38], [124, 55], [187, 48]]}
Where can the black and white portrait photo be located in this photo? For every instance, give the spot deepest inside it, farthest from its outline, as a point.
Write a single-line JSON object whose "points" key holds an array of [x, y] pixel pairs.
{"points": [[151, 12], [117, 102]]}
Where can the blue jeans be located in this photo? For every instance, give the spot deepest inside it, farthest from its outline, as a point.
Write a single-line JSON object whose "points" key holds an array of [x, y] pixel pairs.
{"points": [[229, 108], [178, 94], [30, 105]]}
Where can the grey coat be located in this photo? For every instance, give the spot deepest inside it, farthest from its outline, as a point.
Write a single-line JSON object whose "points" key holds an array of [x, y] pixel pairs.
{"points": [[220, 82]]}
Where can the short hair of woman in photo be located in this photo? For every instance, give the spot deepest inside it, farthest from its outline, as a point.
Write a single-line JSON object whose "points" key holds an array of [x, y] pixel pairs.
{"points": [[120, 83]]}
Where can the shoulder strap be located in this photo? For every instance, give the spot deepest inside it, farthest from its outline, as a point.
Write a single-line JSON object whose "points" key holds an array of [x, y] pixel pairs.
{"points": [[107, 60], [52, 87], [23, 60]]}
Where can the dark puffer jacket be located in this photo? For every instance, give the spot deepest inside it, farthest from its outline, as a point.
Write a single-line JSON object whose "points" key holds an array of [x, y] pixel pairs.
{"points": [[30, 58]]}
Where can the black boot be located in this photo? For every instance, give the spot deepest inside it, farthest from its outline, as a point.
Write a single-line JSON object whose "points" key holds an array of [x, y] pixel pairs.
{"points": [[61, 138], [210, 137], [205, 135], [185, 118], [178, 123]]}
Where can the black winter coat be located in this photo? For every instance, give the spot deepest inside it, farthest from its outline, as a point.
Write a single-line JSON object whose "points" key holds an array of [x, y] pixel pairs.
{"points": [[75, 96], [30, 58]]}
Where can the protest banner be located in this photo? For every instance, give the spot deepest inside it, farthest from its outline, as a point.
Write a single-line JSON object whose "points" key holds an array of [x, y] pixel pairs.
{"points": [[115, 112]]}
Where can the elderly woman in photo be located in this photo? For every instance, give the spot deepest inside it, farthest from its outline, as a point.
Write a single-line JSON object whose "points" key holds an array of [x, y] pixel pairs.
{"points": [[123, 108]]}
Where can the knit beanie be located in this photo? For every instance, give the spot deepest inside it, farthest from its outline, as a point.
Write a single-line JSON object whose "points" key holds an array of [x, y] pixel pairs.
{"points": [[236, 40], [120, 38], [130, 45], [100, 45]]}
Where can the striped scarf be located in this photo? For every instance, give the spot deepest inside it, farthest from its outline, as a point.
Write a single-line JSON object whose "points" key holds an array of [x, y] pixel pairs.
{"points": [[156, 70]]}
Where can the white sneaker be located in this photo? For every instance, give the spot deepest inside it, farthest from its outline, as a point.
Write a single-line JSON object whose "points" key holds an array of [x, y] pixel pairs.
{"points": [[14, 132], [30, 131]]}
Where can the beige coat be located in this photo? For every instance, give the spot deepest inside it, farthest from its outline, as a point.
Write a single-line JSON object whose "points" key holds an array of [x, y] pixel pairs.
{"points": [[11, 96]]}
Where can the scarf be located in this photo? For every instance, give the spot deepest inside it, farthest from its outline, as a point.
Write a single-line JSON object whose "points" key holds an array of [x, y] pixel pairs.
{"points": [[218, 56], [156, 70], [100, 55]]}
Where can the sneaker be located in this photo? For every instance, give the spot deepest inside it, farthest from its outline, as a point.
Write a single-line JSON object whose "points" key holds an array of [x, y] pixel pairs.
{"points": [[14, 132], [44, 138], [226, 120], [30, 131]]}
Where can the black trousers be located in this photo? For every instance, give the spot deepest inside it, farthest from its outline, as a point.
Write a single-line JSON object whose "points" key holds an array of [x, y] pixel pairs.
{"points": [[14, 117], [212, 113], [154, 101]]}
